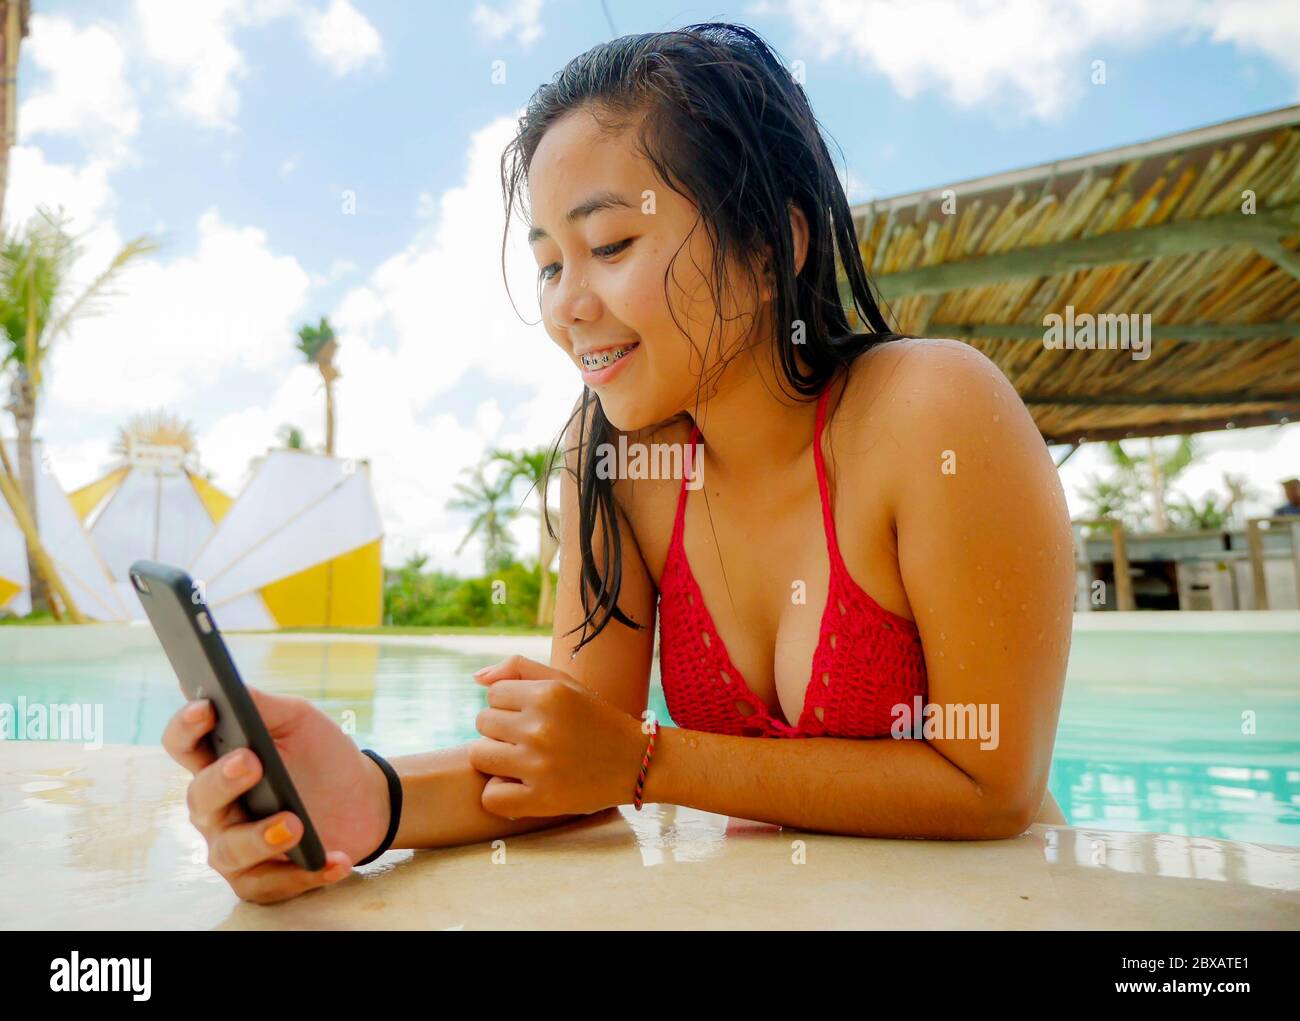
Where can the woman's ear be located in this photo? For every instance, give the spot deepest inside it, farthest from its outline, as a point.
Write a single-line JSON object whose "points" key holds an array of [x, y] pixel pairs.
{"points": [[799, 228], [799, 239]]}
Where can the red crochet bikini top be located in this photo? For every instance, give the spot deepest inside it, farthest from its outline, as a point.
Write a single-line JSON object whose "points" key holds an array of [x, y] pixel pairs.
{"points": [[868, 659]]}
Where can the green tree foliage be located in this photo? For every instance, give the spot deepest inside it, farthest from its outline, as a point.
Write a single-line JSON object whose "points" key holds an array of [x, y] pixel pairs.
{"points": [[414, 597]]}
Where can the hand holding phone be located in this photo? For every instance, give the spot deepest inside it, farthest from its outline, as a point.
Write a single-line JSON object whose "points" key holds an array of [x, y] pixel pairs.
{"points": [[259, 759], [347, 791]]}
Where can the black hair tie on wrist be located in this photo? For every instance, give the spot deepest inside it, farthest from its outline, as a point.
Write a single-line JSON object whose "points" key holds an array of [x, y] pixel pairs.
{"points": [[394, 805]]}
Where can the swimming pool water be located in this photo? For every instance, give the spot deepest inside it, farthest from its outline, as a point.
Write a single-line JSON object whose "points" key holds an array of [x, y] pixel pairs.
{"points": [[1155, 730]]}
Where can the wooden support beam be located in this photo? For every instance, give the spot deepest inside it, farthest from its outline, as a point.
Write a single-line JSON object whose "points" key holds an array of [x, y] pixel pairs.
{"points": [[1255, 543], [1067, 455], [1123, 580], [1091, 434], [1164, 399], [1119, 558], [1159, 331], [1262, 231], [1286, 259]]}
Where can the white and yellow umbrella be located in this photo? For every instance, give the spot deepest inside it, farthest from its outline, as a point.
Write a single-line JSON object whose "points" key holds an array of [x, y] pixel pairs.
{"points": [[83, 570], [300, 547]]}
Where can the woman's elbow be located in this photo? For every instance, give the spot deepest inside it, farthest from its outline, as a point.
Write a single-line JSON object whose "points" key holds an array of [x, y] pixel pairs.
{"points": [[1000, 817]]}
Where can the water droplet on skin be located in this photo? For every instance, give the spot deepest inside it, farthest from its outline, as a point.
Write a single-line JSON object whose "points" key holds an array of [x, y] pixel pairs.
{"points": [[962, 666]]}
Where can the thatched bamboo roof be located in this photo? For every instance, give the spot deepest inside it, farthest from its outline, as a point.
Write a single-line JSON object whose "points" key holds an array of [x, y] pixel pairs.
{"points": [[1159, 228]]}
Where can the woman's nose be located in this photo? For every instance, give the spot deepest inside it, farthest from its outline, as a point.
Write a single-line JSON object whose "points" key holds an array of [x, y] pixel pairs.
{"points": [[575, 302]]}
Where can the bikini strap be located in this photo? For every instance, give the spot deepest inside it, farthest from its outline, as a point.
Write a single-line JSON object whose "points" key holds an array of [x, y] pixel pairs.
{"points": [[828, 518], [679, 523]]}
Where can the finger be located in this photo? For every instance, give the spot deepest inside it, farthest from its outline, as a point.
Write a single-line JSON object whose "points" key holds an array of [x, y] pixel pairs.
{"points": [[216, 787], [242, 846], [507, 798], [277, 711], [184, 737], [518, 668], [499, 758], [511, 694], [274, 881], [501, 724]]}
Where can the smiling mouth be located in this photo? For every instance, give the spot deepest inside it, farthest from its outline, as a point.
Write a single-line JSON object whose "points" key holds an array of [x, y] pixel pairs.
{"points": [[606, 358]]}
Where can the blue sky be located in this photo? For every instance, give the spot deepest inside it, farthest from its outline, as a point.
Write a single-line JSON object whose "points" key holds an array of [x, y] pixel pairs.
{"points": [[232, 129]]}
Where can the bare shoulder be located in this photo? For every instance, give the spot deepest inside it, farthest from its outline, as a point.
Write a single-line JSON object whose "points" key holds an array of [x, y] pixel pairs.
{"points": [[912, 394], [916, 412], [927, 378]]}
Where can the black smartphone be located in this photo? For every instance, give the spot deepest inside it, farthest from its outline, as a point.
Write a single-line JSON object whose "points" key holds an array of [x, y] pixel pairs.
{"points": [[189, 635]]}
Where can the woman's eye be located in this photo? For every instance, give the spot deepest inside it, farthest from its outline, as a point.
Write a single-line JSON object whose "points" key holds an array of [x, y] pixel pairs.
{"points": [[548, 271], [607, 250]]}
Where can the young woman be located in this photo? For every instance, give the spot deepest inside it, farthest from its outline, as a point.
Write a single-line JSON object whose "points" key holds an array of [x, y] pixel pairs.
{"points": [[872, 522]]}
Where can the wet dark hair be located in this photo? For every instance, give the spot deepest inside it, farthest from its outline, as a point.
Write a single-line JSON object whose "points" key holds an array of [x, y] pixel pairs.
{"points": [[724, 124]]}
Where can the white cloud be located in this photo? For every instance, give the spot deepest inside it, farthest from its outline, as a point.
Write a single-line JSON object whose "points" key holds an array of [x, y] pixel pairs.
{"points": [[445, 300], [343, 38], [519, 18], [82, 193], [181, 324], [408, 335], [195, 42], [1034, 55], [1270, 26], [86, 95], [339, 268]]}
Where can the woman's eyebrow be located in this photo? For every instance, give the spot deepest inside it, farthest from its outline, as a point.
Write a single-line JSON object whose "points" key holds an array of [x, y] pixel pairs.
{"points": [[601, 200]]}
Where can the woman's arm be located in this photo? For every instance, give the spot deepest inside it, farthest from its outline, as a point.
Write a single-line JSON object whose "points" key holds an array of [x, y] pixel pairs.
{"points": [[986, 558], [442, 802], [441, 791]]}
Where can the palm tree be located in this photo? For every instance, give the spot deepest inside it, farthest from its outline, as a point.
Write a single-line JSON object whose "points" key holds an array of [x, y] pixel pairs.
{"points": [[482, 498], [535, 466], [36, 263], [1214, 512], [1240, 492], [290, 437], [1207, 515], [1160, 471], [1112, 499], [318, 346]]}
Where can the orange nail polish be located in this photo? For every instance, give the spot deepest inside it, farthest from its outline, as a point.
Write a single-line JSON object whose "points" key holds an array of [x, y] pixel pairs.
{"points": [[278, 833]]}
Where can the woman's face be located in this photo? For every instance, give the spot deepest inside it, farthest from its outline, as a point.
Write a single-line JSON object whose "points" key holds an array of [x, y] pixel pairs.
{"points": [[601, 216]]}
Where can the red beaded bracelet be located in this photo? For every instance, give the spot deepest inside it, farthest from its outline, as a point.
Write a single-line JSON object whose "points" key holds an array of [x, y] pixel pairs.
{"points": [[645, 765]]}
